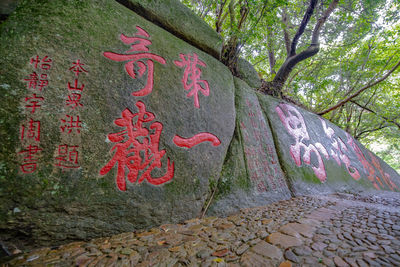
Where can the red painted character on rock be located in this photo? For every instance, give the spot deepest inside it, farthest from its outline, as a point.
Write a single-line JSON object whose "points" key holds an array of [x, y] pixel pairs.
{"points": [[339, 147], [295, 125], [193, 73], [137, 149], [67, 157], [369, 168], [30, 158], [141, 61], [31, 131]]}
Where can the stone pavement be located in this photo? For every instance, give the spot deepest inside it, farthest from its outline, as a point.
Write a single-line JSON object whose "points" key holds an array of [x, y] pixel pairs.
{"points": [[335, 230]]}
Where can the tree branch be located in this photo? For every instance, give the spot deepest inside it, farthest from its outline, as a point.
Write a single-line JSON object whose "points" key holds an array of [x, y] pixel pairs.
{"points": [[369, 85], [220, 19], [380, 127], [292, 60], [306, 18], [321, 22], [370, 110], [271, 54], [285, 31]]}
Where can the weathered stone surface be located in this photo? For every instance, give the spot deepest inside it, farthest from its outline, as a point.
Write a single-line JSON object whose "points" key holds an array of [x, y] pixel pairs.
{"points": [[318, 157], [248, 73], [267, 250], [283, 241], [179, 20], [251, 175], [252, 259], [297, 229], [7, 7], [52, 203]]}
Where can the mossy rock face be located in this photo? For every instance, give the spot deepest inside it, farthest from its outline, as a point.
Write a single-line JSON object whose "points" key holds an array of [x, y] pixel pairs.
{"points": [[252, 175], [67, 189], [176, 18], [248, 73], [7, 7], [319, 157]]}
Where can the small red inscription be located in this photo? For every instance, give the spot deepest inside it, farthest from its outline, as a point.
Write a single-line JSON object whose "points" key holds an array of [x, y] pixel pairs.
{"points": [[35, 83], [33, 102], [30, 159], [196, 139], [77, 67], [142, 61], [137, 149], [193, 73], [43, 63], [75, 87], [31, 131], [67, 157], [295, 125], [71, 123], [73, 100]]}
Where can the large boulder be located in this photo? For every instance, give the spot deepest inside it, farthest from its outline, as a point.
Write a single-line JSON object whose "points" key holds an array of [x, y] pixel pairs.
{"points": [[179, 20], [252, 175], [319, 157], [248, 73], [108, 123]]}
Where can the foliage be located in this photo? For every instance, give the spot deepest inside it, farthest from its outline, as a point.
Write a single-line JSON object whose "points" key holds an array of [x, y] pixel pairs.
{"points": [[355, 66]]}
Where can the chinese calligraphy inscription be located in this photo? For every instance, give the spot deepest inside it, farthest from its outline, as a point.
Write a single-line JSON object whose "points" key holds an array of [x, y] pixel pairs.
{"points": [[137, 148], [141, 59], [191, 77], [296, 127], [30, 130]]}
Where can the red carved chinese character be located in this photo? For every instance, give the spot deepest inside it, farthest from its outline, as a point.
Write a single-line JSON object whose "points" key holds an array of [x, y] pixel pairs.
{"points": [[193, 73], [43, 82], [337, 151], [45, 63], [139, 60], [76, 86], [33, 102], [33, 80], [30, 165], [367, 166], [137, 149], [73, 100], [295, 125], [385, 176], [77, 67], [67, 157], [32, 131], [196, 139], [71, 123]]}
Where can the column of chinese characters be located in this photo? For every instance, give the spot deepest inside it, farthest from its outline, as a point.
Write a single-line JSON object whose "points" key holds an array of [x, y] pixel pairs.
{"points": [[261, 161], [30, 129], [67, 155], [296, 127], [137, 146]]}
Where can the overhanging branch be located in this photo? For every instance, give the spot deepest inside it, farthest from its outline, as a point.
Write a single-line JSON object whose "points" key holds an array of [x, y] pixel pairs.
{"points": [[369, 85]]}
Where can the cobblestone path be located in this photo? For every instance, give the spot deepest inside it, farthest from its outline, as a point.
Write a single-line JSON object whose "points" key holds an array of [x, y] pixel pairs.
{"points": [[334, 230]]}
